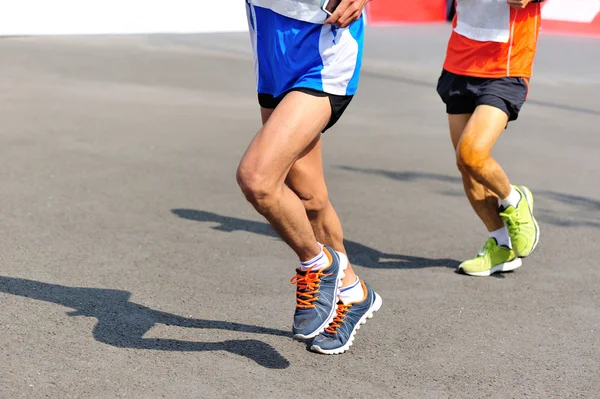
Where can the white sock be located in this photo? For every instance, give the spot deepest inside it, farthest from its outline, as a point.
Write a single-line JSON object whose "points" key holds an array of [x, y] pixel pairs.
{"points": [[319, 262], [353, 293], [512, 200], [502, 237]]}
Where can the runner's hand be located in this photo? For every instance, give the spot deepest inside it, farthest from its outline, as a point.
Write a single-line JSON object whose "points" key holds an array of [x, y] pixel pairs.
{"points": [[347, 11], [518, 3]]}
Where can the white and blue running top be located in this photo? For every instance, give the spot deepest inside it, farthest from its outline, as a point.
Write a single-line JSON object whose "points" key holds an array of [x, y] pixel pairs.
{"points": [[294, 49]]}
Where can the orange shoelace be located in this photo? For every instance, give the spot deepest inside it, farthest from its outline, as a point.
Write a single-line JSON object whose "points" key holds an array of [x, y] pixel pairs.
{"points": [[342, 311], [307, 288]]}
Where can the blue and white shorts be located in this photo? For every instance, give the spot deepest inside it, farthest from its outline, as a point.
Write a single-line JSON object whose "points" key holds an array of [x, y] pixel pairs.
{"points": [[291, 54]]}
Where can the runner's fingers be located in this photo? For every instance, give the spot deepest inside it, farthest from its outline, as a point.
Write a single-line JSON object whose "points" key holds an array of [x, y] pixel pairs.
{"points": [[351, 14], [334, 19]]}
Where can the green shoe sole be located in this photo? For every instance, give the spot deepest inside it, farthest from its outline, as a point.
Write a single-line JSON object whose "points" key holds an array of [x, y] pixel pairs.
{"points": [[502, 267]]}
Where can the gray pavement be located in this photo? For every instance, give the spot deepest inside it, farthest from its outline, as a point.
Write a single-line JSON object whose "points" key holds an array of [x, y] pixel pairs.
{"points": [[131, 266]]}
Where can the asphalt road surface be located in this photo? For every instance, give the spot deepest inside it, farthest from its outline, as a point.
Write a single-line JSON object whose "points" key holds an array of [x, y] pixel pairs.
{"points": [[131, 265]]}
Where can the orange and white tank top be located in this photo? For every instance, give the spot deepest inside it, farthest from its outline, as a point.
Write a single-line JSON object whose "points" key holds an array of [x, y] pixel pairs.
{"points": [[490, 39]]}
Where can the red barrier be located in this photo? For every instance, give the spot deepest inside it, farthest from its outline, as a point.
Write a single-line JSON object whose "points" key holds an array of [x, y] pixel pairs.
{"points": [[406, 11], [559, 16], [571, 16]]}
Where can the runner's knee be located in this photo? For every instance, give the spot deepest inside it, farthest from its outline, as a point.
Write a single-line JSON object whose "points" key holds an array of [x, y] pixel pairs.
{"points": [[256, 187], [471, 158]]}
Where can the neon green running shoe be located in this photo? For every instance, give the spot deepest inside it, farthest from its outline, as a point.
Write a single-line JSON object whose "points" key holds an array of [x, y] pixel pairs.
{"points": [[491, 259], [522, 227]]}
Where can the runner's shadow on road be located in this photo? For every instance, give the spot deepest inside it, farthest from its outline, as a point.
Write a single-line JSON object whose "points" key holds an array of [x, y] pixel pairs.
{"points": [[558, 209], [122, 323], [359, 254]]}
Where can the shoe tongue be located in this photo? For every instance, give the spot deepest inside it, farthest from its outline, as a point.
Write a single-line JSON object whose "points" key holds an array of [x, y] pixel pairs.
{"points": [[491, 242]]}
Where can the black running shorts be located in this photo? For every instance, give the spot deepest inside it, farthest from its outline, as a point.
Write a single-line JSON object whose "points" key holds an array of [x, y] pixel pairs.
{"points": [[338, 103], [462, 94]]}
